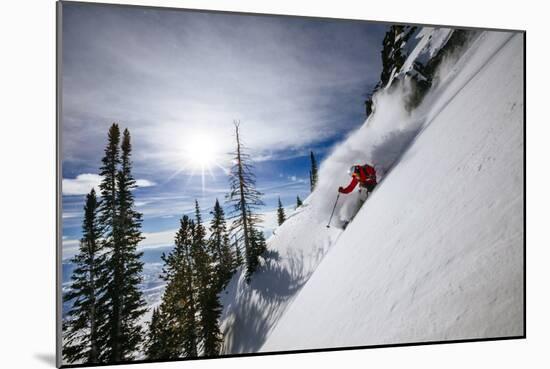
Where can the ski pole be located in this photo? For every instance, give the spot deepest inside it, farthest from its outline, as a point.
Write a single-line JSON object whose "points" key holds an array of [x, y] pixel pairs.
{"points": [[334, 208]]}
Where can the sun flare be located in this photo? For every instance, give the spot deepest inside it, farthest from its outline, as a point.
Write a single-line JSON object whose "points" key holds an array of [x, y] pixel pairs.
{"points": [[201, 152], [201, 156]]}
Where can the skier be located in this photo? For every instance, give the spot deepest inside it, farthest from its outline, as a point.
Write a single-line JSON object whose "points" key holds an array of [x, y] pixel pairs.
{"points": [[365, 176]]}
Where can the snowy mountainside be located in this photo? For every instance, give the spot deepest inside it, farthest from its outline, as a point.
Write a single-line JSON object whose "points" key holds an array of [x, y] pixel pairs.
{"points": [[251, 311], [436, 252], [428, 42]]}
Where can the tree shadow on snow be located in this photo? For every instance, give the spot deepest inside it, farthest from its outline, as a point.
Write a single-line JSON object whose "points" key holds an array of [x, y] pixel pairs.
{"points": [[259, 305]]}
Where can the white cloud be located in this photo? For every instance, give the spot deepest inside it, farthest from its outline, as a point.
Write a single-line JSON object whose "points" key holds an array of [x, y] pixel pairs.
{"points": [[80, 185], [158, 239], [144, 183], [83, 183]]}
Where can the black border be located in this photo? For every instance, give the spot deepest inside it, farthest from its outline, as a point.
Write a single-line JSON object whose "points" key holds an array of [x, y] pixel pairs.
{"points": [[303, 351], [58, 197]]}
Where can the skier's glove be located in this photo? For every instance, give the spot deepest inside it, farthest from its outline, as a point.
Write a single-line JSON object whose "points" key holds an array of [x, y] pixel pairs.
{"points": [[340, 189]]}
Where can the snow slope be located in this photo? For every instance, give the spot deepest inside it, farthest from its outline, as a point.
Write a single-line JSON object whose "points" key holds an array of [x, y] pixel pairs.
{"points": [[436, 253], [251, 311]]}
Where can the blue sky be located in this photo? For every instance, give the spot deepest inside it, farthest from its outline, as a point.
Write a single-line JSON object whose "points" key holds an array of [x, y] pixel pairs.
{"points": [[178, 79]]}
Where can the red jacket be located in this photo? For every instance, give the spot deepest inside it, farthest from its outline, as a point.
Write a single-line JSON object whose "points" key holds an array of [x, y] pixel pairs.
{"points": [[364, 175]]}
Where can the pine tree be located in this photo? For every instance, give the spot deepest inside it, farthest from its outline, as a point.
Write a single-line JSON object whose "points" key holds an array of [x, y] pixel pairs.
{"points": [[155, 345], [312, 172], [298, 202], [122, 333], [211, 333], [257, 247], [220, 248], [108, 187], [188, 295], [86, 314], [173, 332], [208, 303], [281, 217], [189, 319], [166, 331], [238, 258], [245, 199], [128, 264], [108, 222]]}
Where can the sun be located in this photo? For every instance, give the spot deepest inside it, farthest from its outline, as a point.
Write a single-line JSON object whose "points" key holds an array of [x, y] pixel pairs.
{"points": [[201, 152], [201, 156]]}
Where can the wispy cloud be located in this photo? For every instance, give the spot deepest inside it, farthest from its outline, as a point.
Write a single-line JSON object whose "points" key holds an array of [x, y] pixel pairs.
{"points": [[70, 247], [70, 215], [151, 240], [295, 84], [167, 75]]}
